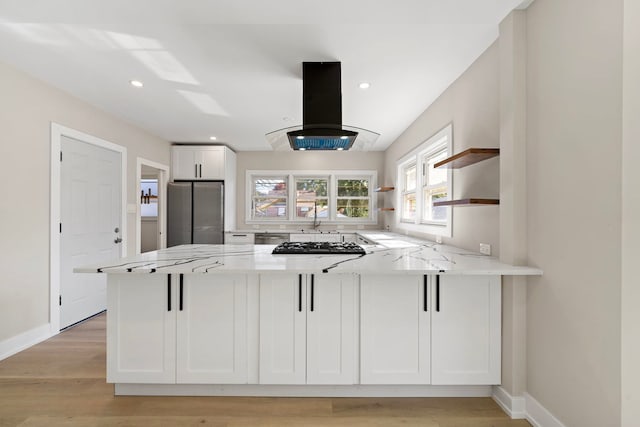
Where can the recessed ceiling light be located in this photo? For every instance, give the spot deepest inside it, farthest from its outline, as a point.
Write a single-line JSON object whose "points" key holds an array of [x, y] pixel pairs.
{"points": [[302, 149], [136, 83], [300, 137], [344, 137], [340, 148], [213, 138], [364, 85]]}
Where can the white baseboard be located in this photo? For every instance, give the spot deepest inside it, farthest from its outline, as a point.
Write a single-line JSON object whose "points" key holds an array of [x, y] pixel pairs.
{"points": [[17, 343], [538, 415], [525, 407], [513, 406], [122, 389]]}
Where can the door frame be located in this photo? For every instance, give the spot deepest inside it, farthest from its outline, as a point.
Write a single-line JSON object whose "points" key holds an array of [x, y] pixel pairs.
{"points": [[57, 132], [162, 197]]}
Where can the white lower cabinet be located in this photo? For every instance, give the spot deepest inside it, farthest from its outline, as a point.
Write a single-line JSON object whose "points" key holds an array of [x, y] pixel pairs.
{"points": [[449, 336], [141, 329], [212, 330], [466, 330], [395, 330], [308, 328]]}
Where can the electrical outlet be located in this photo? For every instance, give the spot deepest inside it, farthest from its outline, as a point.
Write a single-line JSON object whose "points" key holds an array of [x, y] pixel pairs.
{"points": [[282, 226], [438, 239], [485, 248]]}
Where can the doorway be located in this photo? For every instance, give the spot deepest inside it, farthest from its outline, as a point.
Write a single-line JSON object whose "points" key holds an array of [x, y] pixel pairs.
{"points": [[151, 213], [88, 222]]}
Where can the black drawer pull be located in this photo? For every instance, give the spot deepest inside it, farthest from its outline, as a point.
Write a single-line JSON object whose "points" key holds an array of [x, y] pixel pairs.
{"points": [[168, 292], [312, 278], [424, 292], [181, 290], [299, 292], [438, 292]]}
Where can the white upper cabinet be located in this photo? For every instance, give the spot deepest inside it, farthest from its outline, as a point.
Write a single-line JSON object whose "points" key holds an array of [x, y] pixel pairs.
{"points": [[195, 162]]}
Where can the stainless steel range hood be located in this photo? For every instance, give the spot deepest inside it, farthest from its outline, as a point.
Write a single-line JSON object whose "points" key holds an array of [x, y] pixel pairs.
{"points": [[322, 127]]}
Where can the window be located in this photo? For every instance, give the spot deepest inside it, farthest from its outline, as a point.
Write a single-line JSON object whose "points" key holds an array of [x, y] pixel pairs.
{"points": [[421, 185], [269, 197], [331, 196]]}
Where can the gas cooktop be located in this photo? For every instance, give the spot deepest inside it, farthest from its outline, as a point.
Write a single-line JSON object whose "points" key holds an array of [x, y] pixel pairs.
{"points": [[315, 248]]}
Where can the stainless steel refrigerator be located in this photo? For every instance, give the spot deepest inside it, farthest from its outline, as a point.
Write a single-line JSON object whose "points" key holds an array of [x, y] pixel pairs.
{"points": [[195, 213]]}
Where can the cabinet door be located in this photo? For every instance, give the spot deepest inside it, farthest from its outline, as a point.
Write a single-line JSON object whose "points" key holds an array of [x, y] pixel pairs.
{"points": [[465, 328], [348, 237], [282, 329], [141, 329], [293, 237], [327, 238], [212, 330], [331, 328], [211, 160], [184, 163], [395, 326]]}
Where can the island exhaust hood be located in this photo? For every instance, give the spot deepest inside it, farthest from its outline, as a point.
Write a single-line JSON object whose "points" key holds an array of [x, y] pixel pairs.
{"points": [[322, 127], [321, 110]]}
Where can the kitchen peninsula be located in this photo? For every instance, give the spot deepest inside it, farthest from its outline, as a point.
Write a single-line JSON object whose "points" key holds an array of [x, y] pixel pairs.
{"points": [[408, 318]]}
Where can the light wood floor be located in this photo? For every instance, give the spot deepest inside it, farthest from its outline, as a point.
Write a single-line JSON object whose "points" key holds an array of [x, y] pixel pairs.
{"points": [[61, 382]]}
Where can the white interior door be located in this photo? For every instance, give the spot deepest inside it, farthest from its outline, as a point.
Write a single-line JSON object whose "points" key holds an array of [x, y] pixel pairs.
{"points": [[90, 225]]}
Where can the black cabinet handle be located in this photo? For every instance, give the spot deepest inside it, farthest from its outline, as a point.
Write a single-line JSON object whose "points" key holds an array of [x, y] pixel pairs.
{"points": [[299, 292], [200, 170], [181, 290], [312, 278], [424, 292], [168, 292], [196, 172], [438, 292]]}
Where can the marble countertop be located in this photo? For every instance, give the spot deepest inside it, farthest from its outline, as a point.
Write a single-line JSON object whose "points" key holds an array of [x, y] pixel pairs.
{"points": [[393, 253]]}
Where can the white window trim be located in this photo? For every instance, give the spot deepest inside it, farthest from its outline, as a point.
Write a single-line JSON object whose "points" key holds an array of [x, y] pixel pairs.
{"points": [[332, 175], [417, 156]]}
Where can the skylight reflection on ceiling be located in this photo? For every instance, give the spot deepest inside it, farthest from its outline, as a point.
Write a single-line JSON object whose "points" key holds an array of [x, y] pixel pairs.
{"points": [[204, 103]]}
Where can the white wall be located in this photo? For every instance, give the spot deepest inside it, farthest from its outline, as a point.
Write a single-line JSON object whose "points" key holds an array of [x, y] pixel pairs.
{"points": [[471, 104], [574, 102], [300, 160], [27, 108], [631, 216]]}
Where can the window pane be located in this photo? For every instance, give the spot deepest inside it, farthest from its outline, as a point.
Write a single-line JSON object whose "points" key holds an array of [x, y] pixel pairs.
{"points": [[410, 178], [353, 187], [439, 175], [270, 208], [409, 206], [311, 187], [270, 187], [316, 208], [434, 213], [353, 208]]}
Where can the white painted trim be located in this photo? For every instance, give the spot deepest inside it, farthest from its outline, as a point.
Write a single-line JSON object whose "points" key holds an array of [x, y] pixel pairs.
{"points": [[538, 415], [162, 207], [17, 343], [524, 5], [57, 132], [513, 406], [301, 390]]}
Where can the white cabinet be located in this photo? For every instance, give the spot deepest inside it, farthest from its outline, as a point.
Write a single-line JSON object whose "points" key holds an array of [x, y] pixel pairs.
{"points": [[395, 329], [466, 330], [194, 162], [141, 329], [239, 238], [348, 237], [362, 241], [308, 329], [314, 237], [212, 329]]}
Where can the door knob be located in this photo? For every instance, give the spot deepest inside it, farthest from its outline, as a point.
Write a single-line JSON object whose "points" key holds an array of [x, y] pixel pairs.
{"points": [[117, 240]]}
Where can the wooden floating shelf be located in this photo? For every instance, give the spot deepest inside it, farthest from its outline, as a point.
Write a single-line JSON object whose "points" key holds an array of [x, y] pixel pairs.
{"points": [[388, 209], [467, 202], [384, 189], [468, 157]]}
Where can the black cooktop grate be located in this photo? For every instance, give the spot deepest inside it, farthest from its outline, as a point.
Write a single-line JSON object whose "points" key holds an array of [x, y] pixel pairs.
{"points": [[315, 248]]}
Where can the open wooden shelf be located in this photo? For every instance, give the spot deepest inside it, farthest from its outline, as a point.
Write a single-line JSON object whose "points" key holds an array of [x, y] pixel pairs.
{"points": [[467, 202], [384, 189], [387, 209], [468, 157]]}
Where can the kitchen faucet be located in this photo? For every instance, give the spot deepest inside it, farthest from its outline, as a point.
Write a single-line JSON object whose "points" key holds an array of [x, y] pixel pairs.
{"points": [[316, 223]]}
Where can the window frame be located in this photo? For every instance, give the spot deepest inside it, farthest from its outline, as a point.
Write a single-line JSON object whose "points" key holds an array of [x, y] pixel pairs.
{"points": [[443, 139], [252, 197], [332, 189]]}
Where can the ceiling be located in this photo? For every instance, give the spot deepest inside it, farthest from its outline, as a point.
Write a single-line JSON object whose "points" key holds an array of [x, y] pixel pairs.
{"points": [[233, 68]]}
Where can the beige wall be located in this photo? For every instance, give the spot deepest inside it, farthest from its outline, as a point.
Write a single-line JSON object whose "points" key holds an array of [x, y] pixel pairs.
{"points": [[298, 160], [574, 102], [471, 104], [631, 216], [27, 108]]}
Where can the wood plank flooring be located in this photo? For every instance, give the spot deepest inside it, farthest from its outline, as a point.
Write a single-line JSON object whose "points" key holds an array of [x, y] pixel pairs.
{"points": [[61, 382]]}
